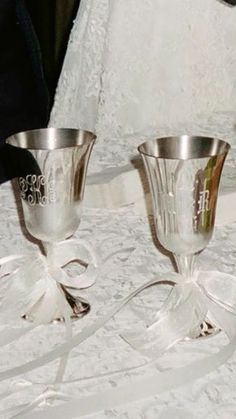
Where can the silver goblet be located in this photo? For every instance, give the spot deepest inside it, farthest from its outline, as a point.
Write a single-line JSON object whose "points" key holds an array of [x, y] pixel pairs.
{"points": [[52, 186], [183, 174]]}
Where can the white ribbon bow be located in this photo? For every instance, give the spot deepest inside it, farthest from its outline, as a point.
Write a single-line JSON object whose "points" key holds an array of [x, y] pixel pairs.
{"points": [[208, 294], [31, 284]]}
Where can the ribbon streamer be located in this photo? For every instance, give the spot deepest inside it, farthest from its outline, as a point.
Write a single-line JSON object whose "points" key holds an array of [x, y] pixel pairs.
{"points": [[137, 390], [185, 309], [211, 293]]}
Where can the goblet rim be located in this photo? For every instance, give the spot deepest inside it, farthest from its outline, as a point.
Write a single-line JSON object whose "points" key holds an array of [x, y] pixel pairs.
{"points": [[176, 155], [74, 137]]}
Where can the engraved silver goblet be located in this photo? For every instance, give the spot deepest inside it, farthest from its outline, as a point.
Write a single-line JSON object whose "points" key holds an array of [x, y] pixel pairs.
{"points": [[183, 174], [52, 187]]}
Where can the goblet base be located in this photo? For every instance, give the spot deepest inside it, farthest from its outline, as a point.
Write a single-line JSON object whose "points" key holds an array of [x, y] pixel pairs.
{"points": [[206, 330], [79, 308]]}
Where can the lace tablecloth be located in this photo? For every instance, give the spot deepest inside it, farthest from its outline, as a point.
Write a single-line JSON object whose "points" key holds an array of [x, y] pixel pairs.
{"points": [[129, 256]]}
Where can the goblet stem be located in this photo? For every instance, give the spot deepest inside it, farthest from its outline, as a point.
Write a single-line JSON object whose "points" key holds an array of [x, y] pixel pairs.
{"points": [[79, 306], [185, 264]]}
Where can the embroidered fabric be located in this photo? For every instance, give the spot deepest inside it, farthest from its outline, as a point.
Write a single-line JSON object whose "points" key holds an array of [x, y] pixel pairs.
{"points": [[135, 260], [133, 68]]}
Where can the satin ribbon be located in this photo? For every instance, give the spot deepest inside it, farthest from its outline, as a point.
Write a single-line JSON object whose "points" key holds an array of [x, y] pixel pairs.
{"points": [[207, 293], [137, 389], [44, 292], [30, 284]]}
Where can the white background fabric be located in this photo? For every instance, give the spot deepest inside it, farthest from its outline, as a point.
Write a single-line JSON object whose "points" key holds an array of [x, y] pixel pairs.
{"points": [[133, 66]]}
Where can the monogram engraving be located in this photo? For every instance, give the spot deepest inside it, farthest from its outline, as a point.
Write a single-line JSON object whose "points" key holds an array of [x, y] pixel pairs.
{"points": [[203, 202], [36, 190]]}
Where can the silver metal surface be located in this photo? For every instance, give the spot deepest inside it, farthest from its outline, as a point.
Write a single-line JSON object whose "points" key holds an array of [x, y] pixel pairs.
{"points": [[52, 187], [52, 190], [184, 147], [183, 174]]}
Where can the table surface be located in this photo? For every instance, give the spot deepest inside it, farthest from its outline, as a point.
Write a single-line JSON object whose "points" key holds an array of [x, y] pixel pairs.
{"points": [[129, 257]]}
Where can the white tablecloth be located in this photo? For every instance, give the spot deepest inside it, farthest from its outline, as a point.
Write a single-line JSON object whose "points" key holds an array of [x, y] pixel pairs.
{"points": [[123, 241]]}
